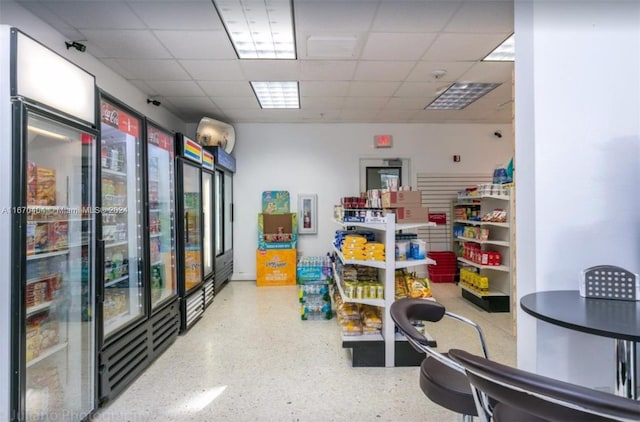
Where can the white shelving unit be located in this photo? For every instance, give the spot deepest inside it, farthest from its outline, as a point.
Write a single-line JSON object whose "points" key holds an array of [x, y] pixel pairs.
{"points": [[497, 299], [385, 234]]}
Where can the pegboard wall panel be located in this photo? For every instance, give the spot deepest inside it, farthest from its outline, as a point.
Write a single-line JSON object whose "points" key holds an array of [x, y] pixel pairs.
{"points": [[438, 192]]}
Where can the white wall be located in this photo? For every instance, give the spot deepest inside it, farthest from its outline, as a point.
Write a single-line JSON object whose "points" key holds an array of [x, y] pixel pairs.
{"points": [[15, 15], [578, 149], [324, 159]]}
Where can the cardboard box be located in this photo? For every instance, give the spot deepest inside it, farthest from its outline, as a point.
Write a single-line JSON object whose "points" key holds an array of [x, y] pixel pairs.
{"points": [[276, 267], [277, 231], [411, 214], [276, 202], [412, 198]]}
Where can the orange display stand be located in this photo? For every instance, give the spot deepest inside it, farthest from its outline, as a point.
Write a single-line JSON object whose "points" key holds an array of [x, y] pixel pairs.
{"points": [[275, 267]]}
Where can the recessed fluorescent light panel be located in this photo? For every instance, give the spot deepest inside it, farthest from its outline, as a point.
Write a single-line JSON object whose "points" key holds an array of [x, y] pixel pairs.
{"points": [[459, 95], [277, 94], [259, 29], [505, 52]]}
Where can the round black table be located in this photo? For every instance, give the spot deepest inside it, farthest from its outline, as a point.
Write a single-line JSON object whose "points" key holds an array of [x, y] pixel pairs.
{"points": [[616, 319]]}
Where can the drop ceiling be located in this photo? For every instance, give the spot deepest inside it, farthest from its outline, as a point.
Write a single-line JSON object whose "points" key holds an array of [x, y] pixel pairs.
{"points": [[358, 60]]}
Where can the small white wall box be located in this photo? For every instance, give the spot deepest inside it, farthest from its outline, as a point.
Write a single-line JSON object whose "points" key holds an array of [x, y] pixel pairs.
{"points": [[610, 282]]}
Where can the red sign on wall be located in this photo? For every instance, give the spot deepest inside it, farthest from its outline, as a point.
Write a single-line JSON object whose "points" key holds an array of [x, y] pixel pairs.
{"points": [[438, 217]]}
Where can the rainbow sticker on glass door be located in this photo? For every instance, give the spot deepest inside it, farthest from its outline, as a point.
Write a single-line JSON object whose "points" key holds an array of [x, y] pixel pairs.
{"points": [[192, 150]]}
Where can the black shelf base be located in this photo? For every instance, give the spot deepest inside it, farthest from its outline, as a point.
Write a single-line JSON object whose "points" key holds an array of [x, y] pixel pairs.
{"points": [[371, 353], [488, 303]]}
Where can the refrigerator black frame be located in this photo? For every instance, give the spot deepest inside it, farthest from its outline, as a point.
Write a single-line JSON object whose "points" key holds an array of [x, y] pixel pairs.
{"points": [[180, 227], [131, 325], [224, 260], [212, 274], [167, 301], [20, 108]]}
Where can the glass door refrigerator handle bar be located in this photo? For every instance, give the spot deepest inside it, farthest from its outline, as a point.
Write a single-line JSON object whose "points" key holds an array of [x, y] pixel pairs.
{"points": [[100, 260], [186, 227], [231, 212]]}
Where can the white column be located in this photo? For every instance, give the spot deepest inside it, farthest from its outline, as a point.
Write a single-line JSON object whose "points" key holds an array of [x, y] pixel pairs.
{"points": [[577, 81], [5, 225]]}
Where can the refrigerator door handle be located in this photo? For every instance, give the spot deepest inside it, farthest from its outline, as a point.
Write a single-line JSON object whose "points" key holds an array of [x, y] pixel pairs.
{"points": [[100, 271], [231, 211], [186, 227]]}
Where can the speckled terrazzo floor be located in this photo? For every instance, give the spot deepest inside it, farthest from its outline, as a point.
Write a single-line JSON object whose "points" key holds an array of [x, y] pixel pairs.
{"points": [[250, 358]]}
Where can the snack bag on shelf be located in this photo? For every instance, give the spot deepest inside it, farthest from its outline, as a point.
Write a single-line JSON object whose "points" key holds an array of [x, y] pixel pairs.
{"points": [[418, 288], [351, 327], [370, 317], [401, 286]]}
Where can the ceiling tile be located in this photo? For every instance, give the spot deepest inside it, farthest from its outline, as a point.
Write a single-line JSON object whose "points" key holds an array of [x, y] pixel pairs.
{"points": [[176, 88], [331, 70], [373, 103], [420, 89], [324, 88], [125, 44], [270, 70], [100, 14], [164, 14], [423, 71], [226, 88], [383, 71], [154, 70], [47, 13], [483, 16], [462, 47], [213, 70], [340, 17], [191, 103], [406, 103], [324, 103], [400, 116], [372, 89], [359, 115], [237, 102], [489, 72], [413, 16], [398, 46], [197, 44]]}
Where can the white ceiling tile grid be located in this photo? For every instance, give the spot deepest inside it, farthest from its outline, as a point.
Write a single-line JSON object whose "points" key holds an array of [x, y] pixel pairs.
{"points": [[357, 60]]}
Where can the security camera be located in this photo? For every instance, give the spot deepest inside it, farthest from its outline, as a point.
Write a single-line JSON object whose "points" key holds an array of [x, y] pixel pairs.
{"points": [[497, 134], [75, 44], [154, 102]]}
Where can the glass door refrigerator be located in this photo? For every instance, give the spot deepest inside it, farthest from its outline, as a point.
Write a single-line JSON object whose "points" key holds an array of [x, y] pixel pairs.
{"points": [[207, 226], [161, 237], [122, 331], [225, 167], [190, 231], [52, 242]]}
